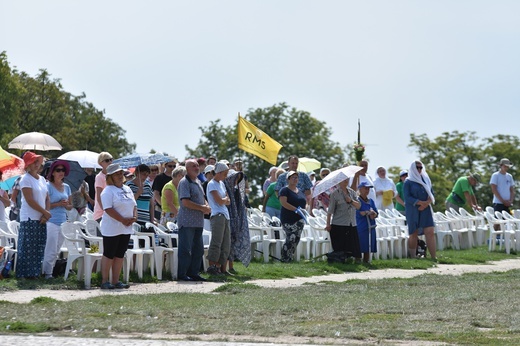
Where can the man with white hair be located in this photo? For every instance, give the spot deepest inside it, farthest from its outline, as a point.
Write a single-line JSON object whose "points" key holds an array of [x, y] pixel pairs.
{"points": [[190, 221]]}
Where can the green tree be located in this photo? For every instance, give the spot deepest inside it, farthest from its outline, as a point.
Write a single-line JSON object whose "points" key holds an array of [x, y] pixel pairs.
{"points": [[40, 104], [298, 132]]}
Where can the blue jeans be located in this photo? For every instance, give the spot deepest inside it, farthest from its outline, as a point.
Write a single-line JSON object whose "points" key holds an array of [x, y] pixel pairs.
{"points": [[272, 211], [191, 250]]}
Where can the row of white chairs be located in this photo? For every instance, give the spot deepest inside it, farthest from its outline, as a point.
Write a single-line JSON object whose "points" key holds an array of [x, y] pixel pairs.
{"points": [[268, 240], [503, 228]]}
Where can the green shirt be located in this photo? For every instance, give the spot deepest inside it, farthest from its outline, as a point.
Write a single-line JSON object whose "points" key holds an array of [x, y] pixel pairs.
{"points": [[399, 188], [272, 199], [461, 185]]}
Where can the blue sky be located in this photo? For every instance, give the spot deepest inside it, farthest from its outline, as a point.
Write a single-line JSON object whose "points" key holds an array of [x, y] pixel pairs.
{"points": [[162, 69]]}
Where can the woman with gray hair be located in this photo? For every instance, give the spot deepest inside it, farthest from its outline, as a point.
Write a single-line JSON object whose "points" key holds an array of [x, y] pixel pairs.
{"points": [[170, 197]]}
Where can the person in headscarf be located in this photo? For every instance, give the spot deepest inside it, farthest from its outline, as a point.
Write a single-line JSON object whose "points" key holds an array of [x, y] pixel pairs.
{"points": [[418, 197], [385, 190], [240, 240]]}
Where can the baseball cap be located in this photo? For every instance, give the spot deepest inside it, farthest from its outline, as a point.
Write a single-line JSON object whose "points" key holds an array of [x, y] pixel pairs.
{"points": [[209, 168], [364, 184], [291, 173], [403, 172]]}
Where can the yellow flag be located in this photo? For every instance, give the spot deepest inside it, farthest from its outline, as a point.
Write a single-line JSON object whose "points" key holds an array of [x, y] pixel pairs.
{"points": [[256, 142]]}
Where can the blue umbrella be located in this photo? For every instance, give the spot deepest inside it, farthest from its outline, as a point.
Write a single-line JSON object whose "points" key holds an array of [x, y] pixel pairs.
{"points": [[135, 160], [7, 185]]}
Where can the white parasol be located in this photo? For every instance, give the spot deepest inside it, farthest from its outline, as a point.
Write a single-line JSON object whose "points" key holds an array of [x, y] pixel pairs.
{"points": [[85, 158], [334, 178], [34, 141]]}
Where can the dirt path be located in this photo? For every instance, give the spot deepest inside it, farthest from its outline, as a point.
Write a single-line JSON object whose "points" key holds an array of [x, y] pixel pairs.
{"points": [[25, 296]]}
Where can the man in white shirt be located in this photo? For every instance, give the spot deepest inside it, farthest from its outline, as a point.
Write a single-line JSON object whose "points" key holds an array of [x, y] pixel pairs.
{"points": [[503, 187]]}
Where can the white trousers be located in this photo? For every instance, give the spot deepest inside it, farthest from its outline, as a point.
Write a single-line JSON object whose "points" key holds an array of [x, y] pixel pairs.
{"points": [[52, 247]]}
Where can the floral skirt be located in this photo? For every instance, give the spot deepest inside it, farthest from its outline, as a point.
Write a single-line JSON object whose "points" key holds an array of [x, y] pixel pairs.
{"points": [[32, 238]]}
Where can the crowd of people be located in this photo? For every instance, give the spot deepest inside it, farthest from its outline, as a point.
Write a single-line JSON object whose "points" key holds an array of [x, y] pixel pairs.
{"points": [[206, 194]]}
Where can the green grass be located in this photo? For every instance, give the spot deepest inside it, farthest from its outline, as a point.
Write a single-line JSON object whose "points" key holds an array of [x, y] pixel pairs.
{"points": [[467, 309]]}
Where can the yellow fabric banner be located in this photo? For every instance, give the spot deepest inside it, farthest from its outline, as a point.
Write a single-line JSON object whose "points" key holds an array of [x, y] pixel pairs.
{"points": [[256, 142]]}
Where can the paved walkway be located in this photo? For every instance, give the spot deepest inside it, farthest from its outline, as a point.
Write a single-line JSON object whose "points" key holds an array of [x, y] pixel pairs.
{"points": [[15, 340], [25, 296]]}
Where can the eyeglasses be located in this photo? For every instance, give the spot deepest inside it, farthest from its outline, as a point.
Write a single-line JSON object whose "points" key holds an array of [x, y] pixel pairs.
{"points": [[419, 167], [60, 170], [107, 160]]}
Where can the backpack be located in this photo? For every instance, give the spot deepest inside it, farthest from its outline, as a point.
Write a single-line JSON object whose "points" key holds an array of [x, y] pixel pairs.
{"points": [[421, 248], [59, 267]]}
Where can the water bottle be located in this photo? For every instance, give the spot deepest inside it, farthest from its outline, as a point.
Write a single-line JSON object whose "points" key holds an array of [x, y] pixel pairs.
{"points": [[7, 268]]}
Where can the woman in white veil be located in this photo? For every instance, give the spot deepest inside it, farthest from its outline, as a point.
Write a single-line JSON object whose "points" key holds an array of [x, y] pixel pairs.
{"points": [[418, 197]]}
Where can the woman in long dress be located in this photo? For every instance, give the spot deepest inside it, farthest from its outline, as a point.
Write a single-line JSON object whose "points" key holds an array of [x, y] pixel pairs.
{"points": [[34, 214], [240, 239], [418, 198]]}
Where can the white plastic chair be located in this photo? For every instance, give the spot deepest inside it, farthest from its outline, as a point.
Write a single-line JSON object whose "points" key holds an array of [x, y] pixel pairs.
{"points": [[139, 252], [87, 233], [476, 225], [444, 234], [321, 242], [163, 254], [513, 224], [77, 252], [9, 241], [505, 235], [458, 227]]}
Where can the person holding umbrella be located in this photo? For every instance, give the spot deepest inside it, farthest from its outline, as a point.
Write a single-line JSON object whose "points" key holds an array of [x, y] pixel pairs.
{"points": [[365, 219], [343, 229], [34, 214], [60, 202]]}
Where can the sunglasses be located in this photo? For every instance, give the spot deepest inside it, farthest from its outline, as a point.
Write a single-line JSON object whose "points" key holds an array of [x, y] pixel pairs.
{"points": [[419, 167], [60, 170], [155, 170], [170, 166], [107, 160]]}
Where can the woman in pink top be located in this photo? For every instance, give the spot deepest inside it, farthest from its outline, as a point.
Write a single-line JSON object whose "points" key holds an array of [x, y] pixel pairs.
{"points": [[104, 160]]}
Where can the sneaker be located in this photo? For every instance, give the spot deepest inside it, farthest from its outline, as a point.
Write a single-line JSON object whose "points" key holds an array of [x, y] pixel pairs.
{"points": [[121, 285], [214, 270], [226, 273], [232, 271], [107, 286]]}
